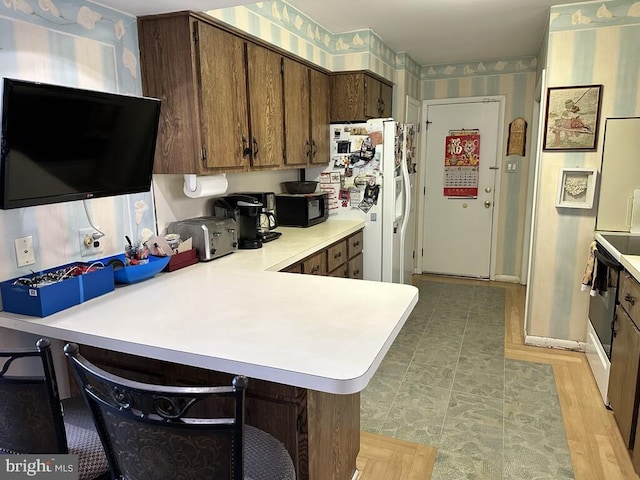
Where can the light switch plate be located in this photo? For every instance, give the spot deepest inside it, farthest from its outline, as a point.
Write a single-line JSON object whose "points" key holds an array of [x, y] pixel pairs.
{"points": [[24, 251]]}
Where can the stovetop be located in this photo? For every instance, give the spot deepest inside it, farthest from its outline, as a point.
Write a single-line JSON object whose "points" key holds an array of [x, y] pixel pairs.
{"points": [[625, 244]]}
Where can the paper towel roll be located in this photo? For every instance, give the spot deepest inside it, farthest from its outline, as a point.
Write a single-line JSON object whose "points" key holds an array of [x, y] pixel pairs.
{"points": [[205, 186]]}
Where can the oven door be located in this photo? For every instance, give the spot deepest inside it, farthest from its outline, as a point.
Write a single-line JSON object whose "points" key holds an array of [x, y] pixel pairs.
{"points": [[602, 307]]}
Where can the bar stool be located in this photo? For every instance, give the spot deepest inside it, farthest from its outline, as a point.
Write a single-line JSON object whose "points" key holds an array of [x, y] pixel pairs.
{"points": [[33, 420], [149, 431]]}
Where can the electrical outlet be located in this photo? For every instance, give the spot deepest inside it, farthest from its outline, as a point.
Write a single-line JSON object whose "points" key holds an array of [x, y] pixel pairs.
{"points": [[24, 251], [88, 245]]}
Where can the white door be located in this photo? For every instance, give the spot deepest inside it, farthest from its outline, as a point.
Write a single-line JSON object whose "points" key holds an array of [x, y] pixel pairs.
{"points": [[457, 230], [412, 116]]}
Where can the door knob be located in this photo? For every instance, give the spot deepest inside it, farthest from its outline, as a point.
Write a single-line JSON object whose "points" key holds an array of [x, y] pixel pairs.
{"points": [[487, 204], [487, 189]]}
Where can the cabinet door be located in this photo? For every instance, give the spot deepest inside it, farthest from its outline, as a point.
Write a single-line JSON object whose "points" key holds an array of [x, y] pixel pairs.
{"points": [[347, 97], [623, 379], [372, 97], [265, 106], [386, 100], [223, 98], [355, 267], [320, 102], [166, 46], [297, 112]]}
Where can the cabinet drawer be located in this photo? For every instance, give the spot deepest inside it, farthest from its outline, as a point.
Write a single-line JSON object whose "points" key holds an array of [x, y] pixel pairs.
{"points": [[295, 268], [355, 267], [354, 244], [316, 264], [336, 255], [630, 296]]}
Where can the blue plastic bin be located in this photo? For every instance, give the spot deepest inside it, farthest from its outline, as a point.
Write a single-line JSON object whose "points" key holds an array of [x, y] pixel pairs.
{"points": [[43, 301]]}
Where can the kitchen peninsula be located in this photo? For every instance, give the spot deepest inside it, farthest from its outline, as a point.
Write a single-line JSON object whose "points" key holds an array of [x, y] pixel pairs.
{"points": [[309, 344]]}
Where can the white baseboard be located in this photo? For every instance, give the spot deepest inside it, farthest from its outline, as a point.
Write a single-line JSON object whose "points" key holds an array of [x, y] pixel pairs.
{"points": [[356, 475], [507, 278], [555, 343]]}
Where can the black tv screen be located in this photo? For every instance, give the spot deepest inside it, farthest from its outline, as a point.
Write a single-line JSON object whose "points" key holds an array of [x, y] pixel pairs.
{"points": [[61, 144]]}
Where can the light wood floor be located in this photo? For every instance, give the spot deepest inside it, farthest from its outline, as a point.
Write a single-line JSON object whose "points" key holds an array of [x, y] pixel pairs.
{"points": [[597, 449]]}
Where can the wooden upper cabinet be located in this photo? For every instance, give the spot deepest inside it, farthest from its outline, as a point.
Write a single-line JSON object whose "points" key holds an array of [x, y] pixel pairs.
{"points": [[223, 98], [320, 112], [266, 106], [198, 71], [359, 96], [166, 46], [297, 107], [306, 104]]}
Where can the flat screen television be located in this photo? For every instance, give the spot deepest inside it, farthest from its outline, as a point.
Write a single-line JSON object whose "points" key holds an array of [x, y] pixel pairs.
{"points": [[60, 144]]}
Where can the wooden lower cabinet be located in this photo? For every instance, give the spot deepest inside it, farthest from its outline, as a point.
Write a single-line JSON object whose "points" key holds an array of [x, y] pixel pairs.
{"points": [[315, 264], [321, 431], [341, 259]]}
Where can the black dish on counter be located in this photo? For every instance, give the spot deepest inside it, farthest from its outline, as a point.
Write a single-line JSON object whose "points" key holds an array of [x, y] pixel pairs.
{"points": [[299, 187]]}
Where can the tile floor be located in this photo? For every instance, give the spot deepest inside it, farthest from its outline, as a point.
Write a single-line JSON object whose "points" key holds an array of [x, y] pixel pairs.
{"points": [[445, 383]]}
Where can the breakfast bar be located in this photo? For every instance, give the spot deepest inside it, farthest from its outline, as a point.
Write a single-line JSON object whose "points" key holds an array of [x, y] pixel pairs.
{"points": [[316, 340]]}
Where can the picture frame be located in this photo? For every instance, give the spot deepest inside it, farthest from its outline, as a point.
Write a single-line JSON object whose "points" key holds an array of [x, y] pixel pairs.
{"points": [[572, 118], [576, 188]]}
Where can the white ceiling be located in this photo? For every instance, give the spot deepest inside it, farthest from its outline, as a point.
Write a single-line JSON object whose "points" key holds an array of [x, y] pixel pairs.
{"points": [[430, 31]]}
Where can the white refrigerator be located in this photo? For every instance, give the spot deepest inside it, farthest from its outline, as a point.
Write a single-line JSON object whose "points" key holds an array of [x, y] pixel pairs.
{"points": [[368, 179]]}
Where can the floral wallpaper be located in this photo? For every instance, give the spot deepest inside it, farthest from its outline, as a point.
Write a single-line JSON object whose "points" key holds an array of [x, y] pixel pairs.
{"points": [[83, 19], [80, 44], [472, 69], [361, 49], [594, 15]]}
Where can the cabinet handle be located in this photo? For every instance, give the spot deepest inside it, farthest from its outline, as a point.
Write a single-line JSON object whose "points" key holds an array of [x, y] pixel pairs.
{"points": [[255, 146], [356, 273], [630, 299], [356, 244], [315, 269], [314, 148], [245, 147], [308, 149], [337, 255]]}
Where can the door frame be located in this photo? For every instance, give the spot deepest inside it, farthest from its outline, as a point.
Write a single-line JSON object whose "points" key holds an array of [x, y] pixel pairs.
{"points": [[416, 207], [499, 162]]}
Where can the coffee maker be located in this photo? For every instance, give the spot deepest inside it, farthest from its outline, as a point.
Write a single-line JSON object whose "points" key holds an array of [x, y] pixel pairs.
{"points": [[246, 211], [268, 219]]}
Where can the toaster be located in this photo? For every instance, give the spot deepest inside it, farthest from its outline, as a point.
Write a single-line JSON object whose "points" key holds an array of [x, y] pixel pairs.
{"points": [[212, 237]]}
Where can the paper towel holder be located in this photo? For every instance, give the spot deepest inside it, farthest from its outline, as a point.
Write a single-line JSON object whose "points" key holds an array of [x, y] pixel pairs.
{"points": [[191, 181]]}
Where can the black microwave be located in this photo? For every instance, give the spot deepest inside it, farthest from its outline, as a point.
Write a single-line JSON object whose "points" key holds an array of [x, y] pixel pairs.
{"points": [[301, 210]]}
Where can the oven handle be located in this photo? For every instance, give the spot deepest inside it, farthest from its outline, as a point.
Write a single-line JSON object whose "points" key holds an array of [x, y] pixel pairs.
{"points": [[607, 261]]}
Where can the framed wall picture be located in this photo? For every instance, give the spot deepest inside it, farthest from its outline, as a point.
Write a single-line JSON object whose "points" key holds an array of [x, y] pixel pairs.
{"points": [[576, 187], [571, 118]]}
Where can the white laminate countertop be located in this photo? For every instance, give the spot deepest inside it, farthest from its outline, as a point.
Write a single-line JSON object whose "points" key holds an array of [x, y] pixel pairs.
{"points": [[322, 333], [294, 245]]}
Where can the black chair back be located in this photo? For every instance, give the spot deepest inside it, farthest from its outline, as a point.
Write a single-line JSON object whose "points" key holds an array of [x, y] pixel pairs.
{"points": [[31, 419], [148, 432]]}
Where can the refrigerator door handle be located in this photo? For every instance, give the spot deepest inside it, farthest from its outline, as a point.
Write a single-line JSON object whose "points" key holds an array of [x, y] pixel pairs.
{"points": [[407, 203]]}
